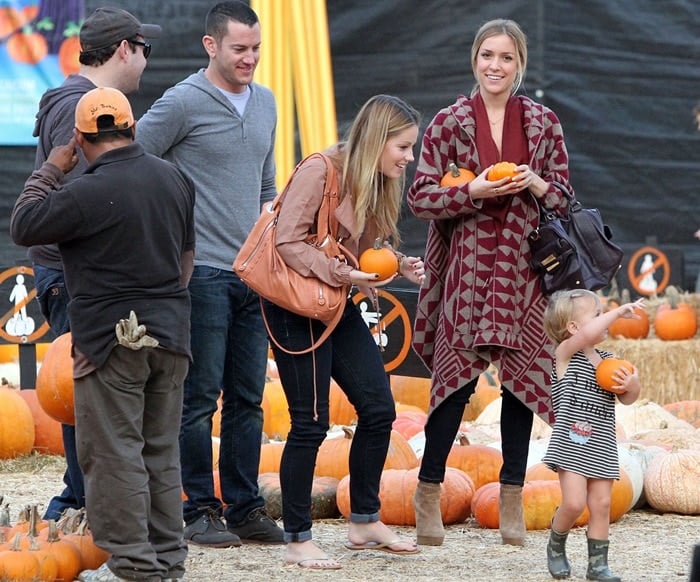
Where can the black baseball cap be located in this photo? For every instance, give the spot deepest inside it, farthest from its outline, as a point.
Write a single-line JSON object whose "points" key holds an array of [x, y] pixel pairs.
{"points": [[107, 26]]}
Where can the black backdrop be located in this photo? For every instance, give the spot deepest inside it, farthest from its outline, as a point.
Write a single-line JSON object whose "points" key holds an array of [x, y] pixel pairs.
{"points": [[622, 76]]}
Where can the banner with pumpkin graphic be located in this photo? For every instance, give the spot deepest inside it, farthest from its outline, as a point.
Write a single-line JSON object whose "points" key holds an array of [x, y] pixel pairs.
{"points": [[39, 48]]}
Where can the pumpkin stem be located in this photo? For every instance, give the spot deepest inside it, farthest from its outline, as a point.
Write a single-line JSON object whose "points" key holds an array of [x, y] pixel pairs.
{"points": [[5, 515], [378, 243], [53, 532], [454, 170], [33, 521], [673, 296], [16, 543], [463, 440]]}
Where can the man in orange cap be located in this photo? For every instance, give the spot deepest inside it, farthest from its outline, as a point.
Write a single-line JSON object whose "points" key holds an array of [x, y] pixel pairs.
{"points": [[125, 232]]}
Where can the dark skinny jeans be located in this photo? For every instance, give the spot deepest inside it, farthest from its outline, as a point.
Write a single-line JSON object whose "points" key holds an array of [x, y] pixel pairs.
{"points": [[443, 424], [350, 355]]}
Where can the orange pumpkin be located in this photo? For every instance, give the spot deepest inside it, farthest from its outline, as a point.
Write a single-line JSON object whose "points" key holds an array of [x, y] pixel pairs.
{"points": [[91, 555], [456, 176], [671, 482], [54, 381], [65, 553], [69, 55], [409, 423], [276, 419], [27, 47], [379, 259], [481, 463], [688, 410], [502, 170], [333, 459], [48, 435], [488, 389], [9, 353], [540, 472], [18, 564], [271, 457], [396, 490], [628, 328], [16, 424], [340, 412], [605, 370], [541, 499], [216, 419], [411, 390], [11, 19], [675, 320]]}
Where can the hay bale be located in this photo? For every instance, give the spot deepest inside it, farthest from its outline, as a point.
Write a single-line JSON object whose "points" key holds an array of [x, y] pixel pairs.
{"points": [[668, 370]]}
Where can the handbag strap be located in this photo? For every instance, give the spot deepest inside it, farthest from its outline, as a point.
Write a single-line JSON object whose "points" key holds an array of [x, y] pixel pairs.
{"points": [[327, 226], [330, 326]]}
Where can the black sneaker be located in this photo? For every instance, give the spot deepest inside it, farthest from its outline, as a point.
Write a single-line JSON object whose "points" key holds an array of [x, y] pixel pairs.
{"points": [[210, 530], [258, 528]]}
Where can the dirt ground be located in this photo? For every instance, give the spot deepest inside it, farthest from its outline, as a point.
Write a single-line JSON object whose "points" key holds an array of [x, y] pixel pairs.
{"points": [[645, 546]]}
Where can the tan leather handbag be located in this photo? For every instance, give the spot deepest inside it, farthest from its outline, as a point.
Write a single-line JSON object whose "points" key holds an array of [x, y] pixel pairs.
{"points": [[261, 267]]}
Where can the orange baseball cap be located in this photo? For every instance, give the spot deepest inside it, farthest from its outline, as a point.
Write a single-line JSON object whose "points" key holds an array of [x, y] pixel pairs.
{"points": [[103, 101]]}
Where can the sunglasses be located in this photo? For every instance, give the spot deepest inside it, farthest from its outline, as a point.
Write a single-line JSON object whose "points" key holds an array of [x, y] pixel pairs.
{"points": [[146, 47]]}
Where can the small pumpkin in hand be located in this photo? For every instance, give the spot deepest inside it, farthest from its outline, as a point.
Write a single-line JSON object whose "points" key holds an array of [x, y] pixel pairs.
{"points": [[605, 371], [502, 170], [456, 176], [379, 259]]}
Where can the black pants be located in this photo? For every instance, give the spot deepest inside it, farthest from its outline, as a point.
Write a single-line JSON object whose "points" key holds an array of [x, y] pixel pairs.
{"points": [[443, 424]]}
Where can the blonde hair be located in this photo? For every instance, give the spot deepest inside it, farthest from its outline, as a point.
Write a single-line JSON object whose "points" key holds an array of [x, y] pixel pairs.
{"points": [[494, 28], [562, 309], [375, 197]]}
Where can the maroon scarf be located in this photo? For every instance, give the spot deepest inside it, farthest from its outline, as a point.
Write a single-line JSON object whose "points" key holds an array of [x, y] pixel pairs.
{"points": [[513, 146]]}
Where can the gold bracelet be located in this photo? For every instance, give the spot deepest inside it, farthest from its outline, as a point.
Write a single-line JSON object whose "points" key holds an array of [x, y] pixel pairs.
{"points": [[398, 269]]}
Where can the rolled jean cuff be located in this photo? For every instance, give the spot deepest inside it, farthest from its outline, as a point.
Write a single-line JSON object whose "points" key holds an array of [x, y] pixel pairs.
{"points": [[302, 536], [364, 517]]}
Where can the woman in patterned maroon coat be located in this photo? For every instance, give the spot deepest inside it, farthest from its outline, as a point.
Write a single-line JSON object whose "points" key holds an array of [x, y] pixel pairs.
{"points": [[481, 302]]}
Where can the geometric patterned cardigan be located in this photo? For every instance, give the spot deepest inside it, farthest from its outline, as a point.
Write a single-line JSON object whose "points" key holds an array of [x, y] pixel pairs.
{"points": [[481, 302]]}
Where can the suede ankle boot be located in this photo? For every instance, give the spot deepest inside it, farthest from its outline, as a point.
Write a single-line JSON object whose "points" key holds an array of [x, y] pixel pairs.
{"points": [[426, 502], [510, 515], [598, 562], [557, 562]]}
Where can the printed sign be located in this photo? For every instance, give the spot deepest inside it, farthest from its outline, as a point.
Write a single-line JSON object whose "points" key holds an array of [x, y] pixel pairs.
{"points": [[19, 323], [649, 271]]}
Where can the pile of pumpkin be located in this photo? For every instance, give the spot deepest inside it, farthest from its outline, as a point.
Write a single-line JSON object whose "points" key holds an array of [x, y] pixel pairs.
{"points": [[33, 549], [660, 467], [659, 449], [672, 317]]}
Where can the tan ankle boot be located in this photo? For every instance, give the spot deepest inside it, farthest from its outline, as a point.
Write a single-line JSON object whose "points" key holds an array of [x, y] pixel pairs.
{"points": [[426, 502], [510, 515]]}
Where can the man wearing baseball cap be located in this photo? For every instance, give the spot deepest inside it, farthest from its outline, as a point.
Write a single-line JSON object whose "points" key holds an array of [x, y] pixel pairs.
{"points": [[125, 231], [114, 51]]}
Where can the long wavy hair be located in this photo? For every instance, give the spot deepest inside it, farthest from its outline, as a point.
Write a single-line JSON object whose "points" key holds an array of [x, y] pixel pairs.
{"points": [[513, 30], [375, 197]]}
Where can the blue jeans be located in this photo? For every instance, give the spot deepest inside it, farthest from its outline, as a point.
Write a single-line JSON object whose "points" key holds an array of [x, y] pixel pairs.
{"points": [[443, 423], [53, 300], [229, 352], [351, 357]]}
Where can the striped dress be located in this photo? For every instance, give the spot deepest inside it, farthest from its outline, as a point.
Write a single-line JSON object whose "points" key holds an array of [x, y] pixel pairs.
{"points": [[583, 440]]}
